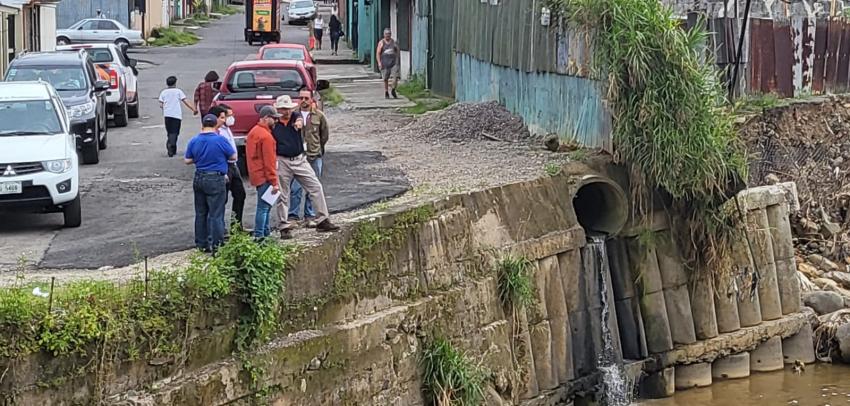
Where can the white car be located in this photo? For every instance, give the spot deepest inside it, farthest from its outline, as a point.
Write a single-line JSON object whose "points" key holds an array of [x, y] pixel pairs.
{"points": [[122, 98], [102, 30], [39, 169]]}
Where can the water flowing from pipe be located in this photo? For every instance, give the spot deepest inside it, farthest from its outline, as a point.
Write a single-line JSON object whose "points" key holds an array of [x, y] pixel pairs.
{"points": [[616, 389]]}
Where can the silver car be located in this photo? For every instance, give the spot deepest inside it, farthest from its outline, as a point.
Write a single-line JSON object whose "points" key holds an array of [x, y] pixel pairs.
{"points": [[302, 10], [94, 30]]}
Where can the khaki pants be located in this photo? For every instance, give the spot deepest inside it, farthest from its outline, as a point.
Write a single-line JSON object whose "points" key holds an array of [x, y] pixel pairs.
{"points": [[300, 169]]}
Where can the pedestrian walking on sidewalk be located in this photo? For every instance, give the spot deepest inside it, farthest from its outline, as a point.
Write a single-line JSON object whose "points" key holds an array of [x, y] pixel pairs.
{"points": [[335, 28], [205, 93], [292, 164], [388, 56], [318, 28], [209, 152], [170, 100], [234, 176], [316, 134], [261, 153]]}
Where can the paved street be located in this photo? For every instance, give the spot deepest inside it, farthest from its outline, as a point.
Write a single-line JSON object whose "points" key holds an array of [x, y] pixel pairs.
{"points": [[137, 201]]}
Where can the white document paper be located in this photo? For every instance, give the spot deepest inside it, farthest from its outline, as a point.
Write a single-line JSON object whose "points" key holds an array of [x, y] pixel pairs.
{"points": [[270, 196]]}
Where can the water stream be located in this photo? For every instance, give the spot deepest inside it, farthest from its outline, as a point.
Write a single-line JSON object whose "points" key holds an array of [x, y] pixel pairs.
{"points": [[615, 387]]}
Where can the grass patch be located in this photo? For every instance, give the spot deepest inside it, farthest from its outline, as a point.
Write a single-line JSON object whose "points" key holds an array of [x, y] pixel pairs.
{"points": [[414, 89], [449, 376], [552, 169], [332, 97], [515, 281], [225, 9], [170, 37]]}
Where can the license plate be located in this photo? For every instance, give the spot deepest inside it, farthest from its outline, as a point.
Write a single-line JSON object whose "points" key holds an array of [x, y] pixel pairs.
{"points": [[10, 188]]}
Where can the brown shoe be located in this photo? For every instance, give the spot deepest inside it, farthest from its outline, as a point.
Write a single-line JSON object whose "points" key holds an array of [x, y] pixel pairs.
{"points": [[326, 226], [286, 234]]}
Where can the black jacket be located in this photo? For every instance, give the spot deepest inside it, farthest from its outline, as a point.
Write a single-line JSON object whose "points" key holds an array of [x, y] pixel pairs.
{"points": [[289, 141]]}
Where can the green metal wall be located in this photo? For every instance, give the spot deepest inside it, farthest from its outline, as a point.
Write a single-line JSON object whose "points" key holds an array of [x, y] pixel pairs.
{"points": [[441, 56]]}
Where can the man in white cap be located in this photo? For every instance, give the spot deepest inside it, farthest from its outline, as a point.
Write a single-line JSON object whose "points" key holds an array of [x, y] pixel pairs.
{"points": [[292, 163]]}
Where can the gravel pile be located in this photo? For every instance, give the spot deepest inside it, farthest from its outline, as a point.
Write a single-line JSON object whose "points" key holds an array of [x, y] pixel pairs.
{"points": [[462, 122]]}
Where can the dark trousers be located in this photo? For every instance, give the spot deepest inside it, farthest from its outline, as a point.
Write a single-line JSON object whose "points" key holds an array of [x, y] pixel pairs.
{"points": [[172, 131], [334, 41], [318, 32], [237, 190], [210, 197]]}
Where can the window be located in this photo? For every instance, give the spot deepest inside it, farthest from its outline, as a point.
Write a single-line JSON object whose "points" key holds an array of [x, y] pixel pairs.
{"points": [[251, 80], [107, 25], [100, 55], [30, 116], [89, 25], [63, 78], [291, 54]]}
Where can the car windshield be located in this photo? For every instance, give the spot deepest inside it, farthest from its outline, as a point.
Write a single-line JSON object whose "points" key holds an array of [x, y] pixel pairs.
{"points": [[290, 54], [61, 77], [30, 117], [302, 4], [100, 55], [252, 80]]}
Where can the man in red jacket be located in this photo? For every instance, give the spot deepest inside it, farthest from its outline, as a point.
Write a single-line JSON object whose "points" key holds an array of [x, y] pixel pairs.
{"points": [[260, 149]]}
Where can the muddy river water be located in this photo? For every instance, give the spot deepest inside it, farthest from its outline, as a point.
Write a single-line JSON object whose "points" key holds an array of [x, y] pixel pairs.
{"points": [[819, 385]]}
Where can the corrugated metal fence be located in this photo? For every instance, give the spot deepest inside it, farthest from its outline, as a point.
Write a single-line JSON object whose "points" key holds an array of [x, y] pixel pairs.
{"points": [[70, 11]]}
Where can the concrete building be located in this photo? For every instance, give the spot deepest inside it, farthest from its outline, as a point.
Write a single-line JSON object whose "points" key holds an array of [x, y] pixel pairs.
{"points": [[26, 26], [11, 34]]}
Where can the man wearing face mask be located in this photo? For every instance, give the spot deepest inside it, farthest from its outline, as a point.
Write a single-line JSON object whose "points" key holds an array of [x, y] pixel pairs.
{"points": [[315, 135], [292, 164], [235, 185]]}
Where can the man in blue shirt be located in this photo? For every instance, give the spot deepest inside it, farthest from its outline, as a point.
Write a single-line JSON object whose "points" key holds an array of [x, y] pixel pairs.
{"points": [[209, 152]]}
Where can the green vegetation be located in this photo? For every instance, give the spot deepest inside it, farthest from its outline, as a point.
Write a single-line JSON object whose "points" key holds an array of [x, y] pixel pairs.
{"points": [[515, 281], [171, 37], [449, 376], [414, 89], [672, 125], [552, 169], [369, 252], [332, 97], [225, 9]]}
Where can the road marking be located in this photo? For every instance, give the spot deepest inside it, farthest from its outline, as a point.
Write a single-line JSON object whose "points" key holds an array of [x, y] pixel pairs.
{"points": [[147, 127]]}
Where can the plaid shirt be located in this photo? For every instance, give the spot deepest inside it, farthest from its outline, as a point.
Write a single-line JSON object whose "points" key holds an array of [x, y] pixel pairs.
{"points": [[204, 95]]}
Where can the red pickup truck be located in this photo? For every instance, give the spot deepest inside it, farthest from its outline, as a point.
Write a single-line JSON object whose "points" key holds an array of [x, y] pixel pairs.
{"points": [[250, 85]]}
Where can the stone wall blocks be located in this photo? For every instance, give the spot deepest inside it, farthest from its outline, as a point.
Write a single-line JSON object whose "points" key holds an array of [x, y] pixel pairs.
{"points": [[541, 345], [657, 385], [622, 280], [731, 367], [749, 310], [702, 306], [799, 347], [767, 356], [655, 323], [771, 307], [670, 263], [644, 264], [789, 285], [693, 376], [679, 313], [780, 229], [726, 311]]}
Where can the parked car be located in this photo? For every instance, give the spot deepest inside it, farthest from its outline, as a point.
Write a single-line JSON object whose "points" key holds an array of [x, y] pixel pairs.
{"points": [[122, 98], [288, 52], [301, 11], [39, 171], [249, 85], [100, 30], [73, 76]]}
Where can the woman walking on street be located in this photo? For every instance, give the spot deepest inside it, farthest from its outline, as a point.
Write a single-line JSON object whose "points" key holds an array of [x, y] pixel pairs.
{"points": [[318, 25], [336, 31], [205, 92]]}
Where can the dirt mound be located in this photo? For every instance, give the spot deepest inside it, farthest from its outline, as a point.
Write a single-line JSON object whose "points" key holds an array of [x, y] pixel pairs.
{"points": [[808, 142], [467, 122]]}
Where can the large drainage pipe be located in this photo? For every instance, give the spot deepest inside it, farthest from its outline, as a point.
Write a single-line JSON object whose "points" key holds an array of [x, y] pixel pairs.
{"points": [[600, 205]]}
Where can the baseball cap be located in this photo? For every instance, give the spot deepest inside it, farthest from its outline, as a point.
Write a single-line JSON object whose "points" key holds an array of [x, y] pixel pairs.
{"points": [[268, 111], [209, 120], [284, 102]]}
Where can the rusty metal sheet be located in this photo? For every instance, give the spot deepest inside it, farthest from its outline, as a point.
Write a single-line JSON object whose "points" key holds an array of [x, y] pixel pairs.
{"points": [[821, 32], [784, 57], [768, 57], [802, 35], [835, 32], [843, 57], [756, 60]]}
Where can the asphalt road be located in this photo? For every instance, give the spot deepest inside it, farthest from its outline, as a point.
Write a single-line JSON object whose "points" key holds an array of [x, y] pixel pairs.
{"points": [[137, 201]]}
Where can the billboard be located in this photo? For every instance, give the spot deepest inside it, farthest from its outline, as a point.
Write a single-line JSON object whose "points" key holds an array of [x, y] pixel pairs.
{"points": [[262, 18]]}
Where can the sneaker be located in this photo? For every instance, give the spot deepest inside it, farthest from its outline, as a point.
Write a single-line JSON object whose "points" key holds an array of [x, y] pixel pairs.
{"points": [[386, 95], [326, 226], [395, 95], [286, 234]]}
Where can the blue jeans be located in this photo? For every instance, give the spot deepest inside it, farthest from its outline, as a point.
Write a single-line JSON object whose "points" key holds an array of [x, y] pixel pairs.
{"points": [[262, 228], [296, 191], [210, 196]]}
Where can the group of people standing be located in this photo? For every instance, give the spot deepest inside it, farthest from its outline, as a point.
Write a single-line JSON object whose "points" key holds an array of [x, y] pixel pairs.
{"points": [[284, 153]]}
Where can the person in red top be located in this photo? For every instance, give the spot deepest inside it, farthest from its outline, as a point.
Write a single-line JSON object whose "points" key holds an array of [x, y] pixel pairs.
{"points": [[260, 151], [205, 93]]}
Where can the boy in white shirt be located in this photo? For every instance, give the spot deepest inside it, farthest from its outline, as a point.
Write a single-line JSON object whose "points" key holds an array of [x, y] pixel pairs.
{"points": [[169, 101]]}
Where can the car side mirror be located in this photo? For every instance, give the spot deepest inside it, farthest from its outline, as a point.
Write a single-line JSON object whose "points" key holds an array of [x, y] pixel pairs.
{"points": [[216, 85], [132, 62], [322, 84], [101, 85]]}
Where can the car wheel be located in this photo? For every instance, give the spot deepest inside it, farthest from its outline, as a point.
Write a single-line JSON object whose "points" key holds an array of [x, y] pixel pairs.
{"points": [[63, 41], [73, 213], [120, 115], [122, 44], [133, 109], [91, 152]]}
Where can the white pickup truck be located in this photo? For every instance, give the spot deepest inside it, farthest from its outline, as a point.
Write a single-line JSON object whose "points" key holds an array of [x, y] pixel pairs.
{"points": [[122, 98]]}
